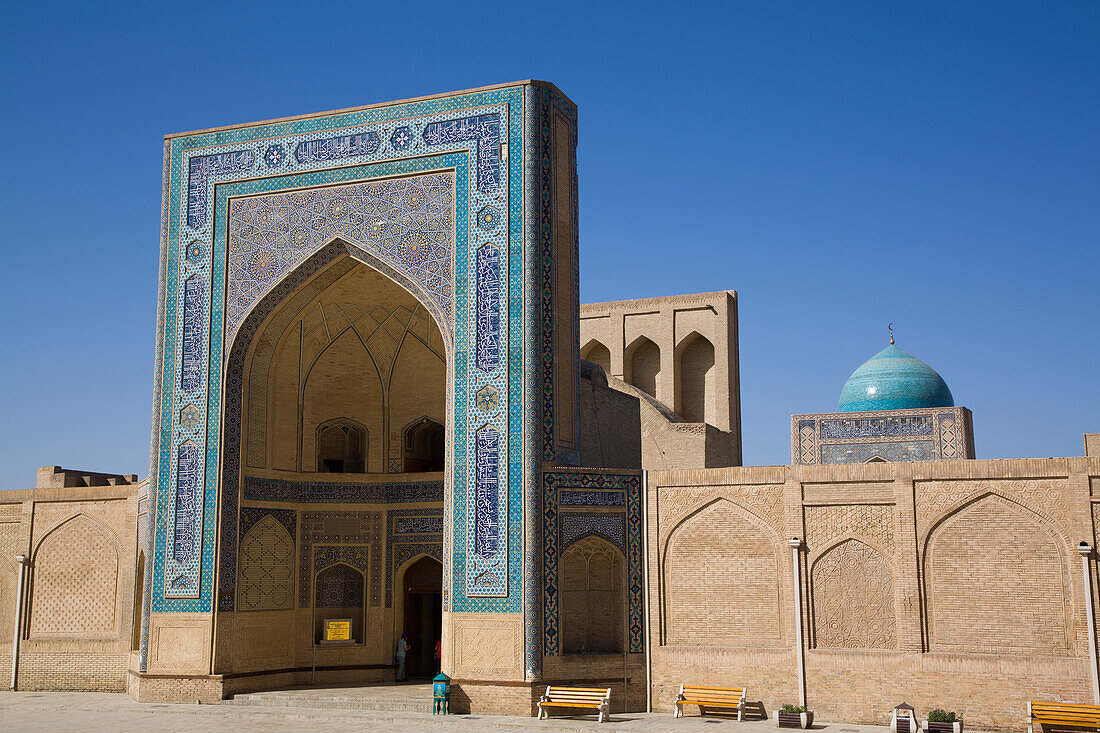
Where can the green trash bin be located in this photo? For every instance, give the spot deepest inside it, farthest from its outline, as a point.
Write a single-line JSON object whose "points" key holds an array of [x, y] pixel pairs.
{"points": [[441, 694]]}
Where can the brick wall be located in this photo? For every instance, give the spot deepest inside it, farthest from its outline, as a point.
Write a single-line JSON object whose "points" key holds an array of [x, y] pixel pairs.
{"points": [[946, 584]]}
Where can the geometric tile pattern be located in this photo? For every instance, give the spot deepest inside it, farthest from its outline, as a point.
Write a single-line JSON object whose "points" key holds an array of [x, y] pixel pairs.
{"points": [[578, 526], [408, 222], [564, 525], [411, 532], [267, 567], [922, 434], [341, 537]]}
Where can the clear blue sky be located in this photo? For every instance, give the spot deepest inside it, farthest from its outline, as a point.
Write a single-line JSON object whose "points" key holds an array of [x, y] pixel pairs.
{"points": [[841, 165]]}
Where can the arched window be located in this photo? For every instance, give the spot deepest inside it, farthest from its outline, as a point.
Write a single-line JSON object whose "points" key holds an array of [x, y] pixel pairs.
{"points": [[645, 365], [424, 442], [597, 353], [695, 385], [592, 602], [341, 446]]}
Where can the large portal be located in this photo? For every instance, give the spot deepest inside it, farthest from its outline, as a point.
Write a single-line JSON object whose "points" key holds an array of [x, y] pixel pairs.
{"points": [[345, 297]]}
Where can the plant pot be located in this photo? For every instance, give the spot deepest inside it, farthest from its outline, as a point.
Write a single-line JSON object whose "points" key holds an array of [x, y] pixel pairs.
{"points": [[793, 720], [933, 727]]}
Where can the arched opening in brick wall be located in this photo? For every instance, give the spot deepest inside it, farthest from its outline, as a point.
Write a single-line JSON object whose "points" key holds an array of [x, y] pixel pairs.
{"points": [[422, 614], [324, 375], [644, 360], [598, 354], [424, 446], [695, 379], [593, 602], [341, 446]]}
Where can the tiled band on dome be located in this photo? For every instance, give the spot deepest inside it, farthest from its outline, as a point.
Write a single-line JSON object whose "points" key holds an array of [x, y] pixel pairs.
{"points": [[926, 434]]}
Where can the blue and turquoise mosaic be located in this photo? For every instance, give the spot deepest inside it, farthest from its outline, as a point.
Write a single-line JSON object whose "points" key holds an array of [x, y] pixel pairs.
{"points": [[565, 524], [200, 183]]}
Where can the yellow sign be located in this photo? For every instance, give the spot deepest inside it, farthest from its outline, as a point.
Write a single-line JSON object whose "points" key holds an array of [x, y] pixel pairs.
{"points": [[338, 629]]}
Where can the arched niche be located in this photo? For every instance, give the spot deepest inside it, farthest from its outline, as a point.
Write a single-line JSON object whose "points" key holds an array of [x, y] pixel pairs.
{"points": [[595, 352], [852, 598], [998, 556], [592, 575], [339, 591], [643, 359], [721, 572], [74, 581], [696, 388]]}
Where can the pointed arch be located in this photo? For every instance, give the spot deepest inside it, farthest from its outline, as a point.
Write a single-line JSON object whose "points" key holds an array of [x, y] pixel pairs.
{"points": [[75, 581], [592, 574], [739, 556], [595, 352], [993, 553], [266, 567], [643, 365], [852, 602], [696, 388]]}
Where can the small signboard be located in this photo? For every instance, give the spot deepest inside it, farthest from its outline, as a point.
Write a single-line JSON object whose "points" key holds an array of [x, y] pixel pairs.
{"points": [[338, 629]]}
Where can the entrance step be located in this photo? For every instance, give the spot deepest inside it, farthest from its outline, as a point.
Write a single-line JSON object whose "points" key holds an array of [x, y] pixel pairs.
{"points": [[414, 698]]}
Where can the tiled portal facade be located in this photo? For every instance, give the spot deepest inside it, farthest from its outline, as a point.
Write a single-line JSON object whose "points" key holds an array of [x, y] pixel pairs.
{"points": [[376, 391]]}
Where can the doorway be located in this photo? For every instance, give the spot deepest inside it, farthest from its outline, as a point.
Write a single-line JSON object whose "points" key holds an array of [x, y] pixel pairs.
{"points": [[423, 588]]}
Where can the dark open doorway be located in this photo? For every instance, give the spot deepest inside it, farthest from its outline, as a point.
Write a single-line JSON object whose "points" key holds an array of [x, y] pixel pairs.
{"points": [[423, 587]]}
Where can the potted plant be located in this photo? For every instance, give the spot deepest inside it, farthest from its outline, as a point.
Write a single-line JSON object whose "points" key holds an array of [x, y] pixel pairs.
{"points": [[794, 716], [941, 721]]}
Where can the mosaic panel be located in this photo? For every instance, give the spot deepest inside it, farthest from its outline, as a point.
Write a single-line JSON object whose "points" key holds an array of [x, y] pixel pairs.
{"points": [[347, 532], [339, 586], [569, 497], [194, 316], [203, 169], [407, 222], [411, 532], [863, 452], [488, 308], [185, 518], [878, 427], [336, 148], [334, 492], [577, 526], [484, 132], [562, 526], [267, 567], [484, 570], [286, 517]]}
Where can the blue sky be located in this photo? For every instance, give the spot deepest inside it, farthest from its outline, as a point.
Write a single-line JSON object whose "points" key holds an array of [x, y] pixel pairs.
{"points": [[840, 165]]}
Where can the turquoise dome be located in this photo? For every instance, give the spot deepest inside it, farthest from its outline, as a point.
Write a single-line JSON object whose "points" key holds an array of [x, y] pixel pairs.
{"points": [[893, 379]]}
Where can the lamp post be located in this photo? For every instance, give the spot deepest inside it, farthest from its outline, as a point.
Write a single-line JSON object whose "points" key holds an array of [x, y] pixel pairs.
{"points": [[1085, 551], [22, 571], [796, 544]]}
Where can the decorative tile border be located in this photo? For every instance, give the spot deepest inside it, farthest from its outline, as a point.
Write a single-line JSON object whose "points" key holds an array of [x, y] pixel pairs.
{"points": [[564, 525], [924, 434]]}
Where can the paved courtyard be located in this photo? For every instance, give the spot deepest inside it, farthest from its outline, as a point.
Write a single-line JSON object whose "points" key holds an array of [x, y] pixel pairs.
{"points": [[85, 712]]}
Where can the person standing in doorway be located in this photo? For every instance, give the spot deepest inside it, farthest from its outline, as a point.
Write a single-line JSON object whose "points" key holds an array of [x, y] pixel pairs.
{"points": [[402, 650], [438, 656]]}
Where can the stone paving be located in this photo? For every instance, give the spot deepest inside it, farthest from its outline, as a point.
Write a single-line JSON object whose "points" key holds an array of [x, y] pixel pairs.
{"points": [[60, 712]]}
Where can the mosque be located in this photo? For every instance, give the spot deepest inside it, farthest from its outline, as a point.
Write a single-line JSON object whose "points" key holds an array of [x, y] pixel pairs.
{"points": [[379, 408]]}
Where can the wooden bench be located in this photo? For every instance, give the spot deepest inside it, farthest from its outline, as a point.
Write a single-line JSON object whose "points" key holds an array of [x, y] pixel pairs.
{"points": [[1062, 714], [597, 698], [710, 697]]}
